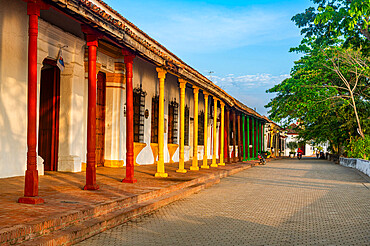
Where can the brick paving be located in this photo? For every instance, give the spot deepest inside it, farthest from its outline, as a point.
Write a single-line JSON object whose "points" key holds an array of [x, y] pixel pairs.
{"points": [[286, 202], [65, 198]]}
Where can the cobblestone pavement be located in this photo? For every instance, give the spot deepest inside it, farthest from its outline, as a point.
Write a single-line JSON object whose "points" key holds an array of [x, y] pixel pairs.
{"points": [[286, 202]]}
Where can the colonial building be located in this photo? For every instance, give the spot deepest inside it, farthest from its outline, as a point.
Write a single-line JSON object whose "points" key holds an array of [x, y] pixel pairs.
{"points": [[275, 139], [82, 87]]}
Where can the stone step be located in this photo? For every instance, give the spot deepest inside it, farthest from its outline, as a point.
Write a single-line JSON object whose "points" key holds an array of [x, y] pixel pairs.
{"points": [[91, 227], [23, 233]]}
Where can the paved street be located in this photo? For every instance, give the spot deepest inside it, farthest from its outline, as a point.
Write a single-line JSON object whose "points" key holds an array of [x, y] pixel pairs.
{"points": [[286, 202]]}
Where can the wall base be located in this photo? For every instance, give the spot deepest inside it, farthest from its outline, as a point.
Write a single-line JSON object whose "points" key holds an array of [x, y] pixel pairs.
{"points": [[114, 163], [70, 163]]}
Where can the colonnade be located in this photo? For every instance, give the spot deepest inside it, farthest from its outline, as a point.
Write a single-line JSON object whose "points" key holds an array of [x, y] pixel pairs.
{"points": [[249, 133], [194, 166], [248, 129]]}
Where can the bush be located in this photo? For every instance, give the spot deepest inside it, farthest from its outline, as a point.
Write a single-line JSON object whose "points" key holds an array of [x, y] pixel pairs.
{"points": [[292, 145], [359, 148]]}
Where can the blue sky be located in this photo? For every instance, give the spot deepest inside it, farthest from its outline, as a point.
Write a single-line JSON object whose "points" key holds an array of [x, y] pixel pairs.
{"points": [[245, 43]]}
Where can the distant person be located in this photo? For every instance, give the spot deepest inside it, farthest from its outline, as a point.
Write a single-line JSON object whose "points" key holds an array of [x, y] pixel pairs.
{"points": [[322, 155], [299, 153], [317, 154]]}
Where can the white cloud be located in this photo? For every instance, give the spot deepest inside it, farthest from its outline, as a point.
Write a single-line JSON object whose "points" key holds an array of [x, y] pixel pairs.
{"points": [[249, 89], [232, 82]]}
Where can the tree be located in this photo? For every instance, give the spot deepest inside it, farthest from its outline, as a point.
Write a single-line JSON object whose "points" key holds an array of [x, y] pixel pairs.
{"points": [[353, 70], [328, 91], [292, 146], [316, 95], [333, 19]]}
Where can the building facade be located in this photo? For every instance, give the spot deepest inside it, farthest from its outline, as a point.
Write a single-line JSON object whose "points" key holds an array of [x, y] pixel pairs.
{"points": [[82, 87]]}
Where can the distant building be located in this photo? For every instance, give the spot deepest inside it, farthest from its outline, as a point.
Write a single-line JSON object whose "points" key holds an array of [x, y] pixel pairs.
{"points": [[309, 148], [275, 139]]}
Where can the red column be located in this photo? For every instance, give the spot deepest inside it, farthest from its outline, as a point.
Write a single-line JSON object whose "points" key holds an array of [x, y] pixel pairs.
{"points": [[240, 145], [31, 187], [219, 137], [234, 136], [227, 137], [129, 59], [92, 43]]}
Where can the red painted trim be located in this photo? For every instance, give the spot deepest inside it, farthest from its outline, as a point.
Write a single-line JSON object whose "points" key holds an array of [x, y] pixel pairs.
{"points": [[92, 43], [129, 60]]}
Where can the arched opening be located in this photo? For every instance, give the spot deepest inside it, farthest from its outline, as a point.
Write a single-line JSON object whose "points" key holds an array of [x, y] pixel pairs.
{"points": [[49, 115]]}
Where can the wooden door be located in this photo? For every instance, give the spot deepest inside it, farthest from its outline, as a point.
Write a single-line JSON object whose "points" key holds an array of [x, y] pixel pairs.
{"points": [[49, 117], [100, 119]]}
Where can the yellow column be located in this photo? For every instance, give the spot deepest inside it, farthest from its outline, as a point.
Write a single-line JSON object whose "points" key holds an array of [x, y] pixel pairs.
{"points": [[194, 166], [214, 164], [160, 163], [222, 163], [182, 126], [205, 156], [271, 144]]}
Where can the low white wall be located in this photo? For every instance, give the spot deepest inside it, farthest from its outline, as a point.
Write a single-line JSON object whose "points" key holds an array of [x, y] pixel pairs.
{"points": [[359, 164]]}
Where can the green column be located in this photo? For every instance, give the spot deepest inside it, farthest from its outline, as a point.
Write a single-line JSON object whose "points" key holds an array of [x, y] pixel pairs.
{"points": [[263, 137], [243, 130], [248, 152], [253, 139]]}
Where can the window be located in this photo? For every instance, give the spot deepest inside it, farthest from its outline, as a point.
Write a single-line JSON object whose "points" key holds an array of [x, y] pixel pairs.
{"points": [[201, 128], [139, 109], [173, 108], [186, 130], [155, 115]]}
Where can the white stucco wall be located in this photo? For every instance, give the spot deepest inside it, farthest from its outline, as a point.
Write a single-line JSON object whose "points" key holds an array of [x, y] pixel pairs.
{"points": [[115, 125], [73, 93], [13, 87]]}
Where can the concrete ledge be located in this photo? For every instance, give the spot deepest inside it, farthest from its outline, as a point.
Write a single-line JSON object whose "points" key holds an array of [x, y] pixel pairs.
{"points": [[359, 164]]}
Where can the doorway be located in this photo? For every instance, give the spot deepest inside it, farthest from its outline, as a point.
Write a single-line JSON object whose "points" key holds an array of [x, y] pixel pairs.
{"points": [[100, 119], [49, 115]]}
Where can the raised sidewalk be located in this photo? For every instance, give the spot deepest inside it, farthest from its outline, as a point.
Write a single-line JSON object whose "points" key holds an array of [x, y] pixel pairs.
{"points": [[71, 214]]}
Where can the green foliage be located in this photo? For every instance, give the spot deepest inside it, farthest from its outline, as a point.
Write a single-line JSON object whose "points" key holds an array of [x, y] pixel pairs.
{"points": [[333, 20], [328, 91], [292, 146], [359, 148], [315, 96], [268, 153]]}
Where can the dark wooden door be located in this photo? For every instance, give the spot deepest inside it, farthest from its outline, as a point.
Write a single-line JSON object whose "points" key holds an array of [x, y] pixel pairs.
{"points": [[49, 117], [100, 119]]}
